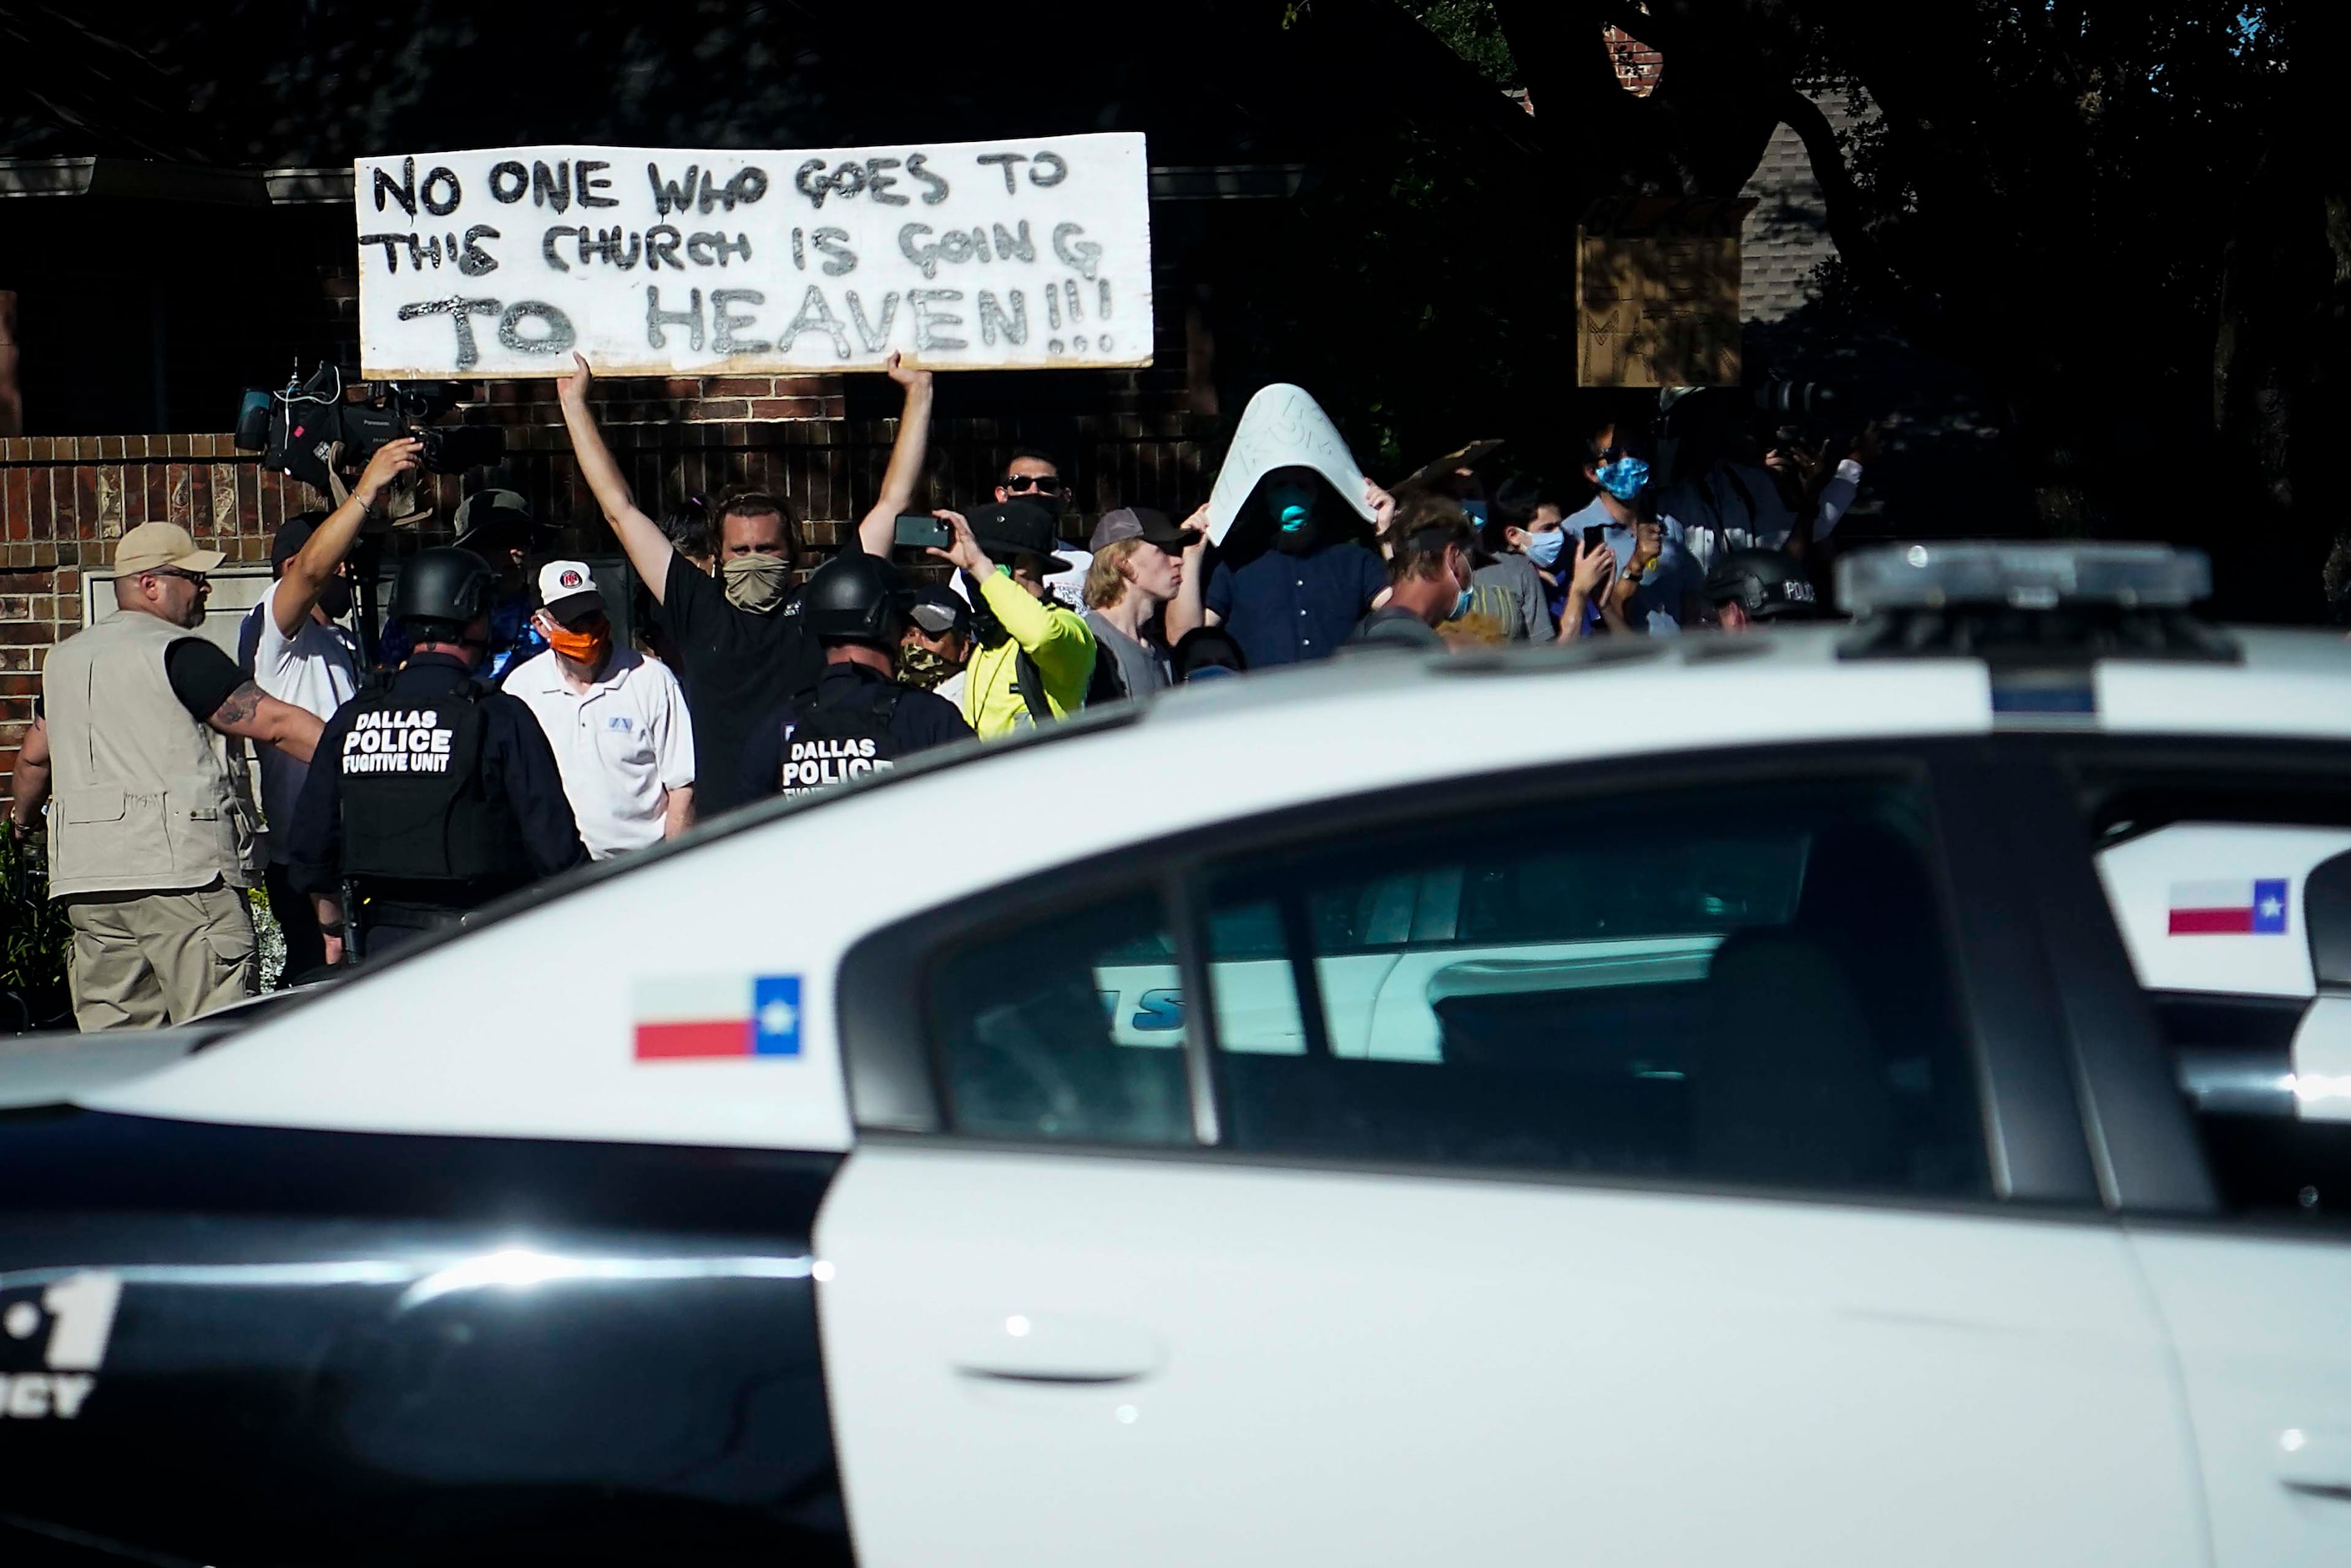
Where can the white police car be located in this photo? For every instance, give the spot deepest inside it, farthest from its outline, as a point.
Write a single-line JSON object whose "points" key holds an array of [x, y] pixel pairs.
{"points": [[1663, 1101]]}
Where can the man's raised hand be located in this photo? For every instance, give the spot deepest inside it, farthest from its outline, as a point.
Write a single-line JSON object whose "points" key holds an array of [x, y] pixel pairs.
{"points": [[965, 553], [572, 390], [392, 461], [905, 374]]}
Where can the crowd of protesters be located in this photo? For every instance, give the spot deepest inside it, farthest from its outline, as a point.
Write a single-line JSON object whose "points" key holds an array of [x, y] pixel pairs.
{"points": [[514, 735]]}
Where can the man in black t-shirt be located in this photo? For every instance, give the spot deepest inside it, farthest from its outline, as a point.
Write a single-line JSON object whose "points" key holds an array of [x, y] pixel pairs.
{"points": [[745, 650]]}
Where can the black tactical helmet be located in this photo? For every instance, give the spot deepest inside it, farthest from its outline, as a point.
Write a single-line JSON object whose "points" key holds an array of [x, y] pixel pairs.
{"points": [[856, 597], [444, 584], [1766, 583]]}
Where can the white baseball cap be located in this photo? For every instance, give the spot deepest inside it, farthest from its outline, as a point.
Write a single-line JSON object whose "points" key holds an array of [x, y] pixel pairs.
{"points": [[566, 589]]}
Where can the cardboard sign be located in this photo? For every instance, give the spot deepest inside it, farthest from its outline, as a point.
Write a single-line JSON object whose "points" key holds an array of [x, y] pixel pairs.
{"points": [[962, 256], [1657, 290], [1282, 427]]}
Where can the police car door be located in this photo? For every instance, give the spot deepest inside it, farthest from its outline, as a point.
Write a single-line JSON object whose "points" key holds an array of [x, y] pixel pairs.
{"points": [[2232, 883], [1681, 1261]]}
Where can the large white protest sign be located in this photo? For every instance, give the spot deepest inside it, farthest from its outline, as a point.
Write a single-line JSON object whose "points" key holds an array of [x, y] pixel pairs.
{"points": [[962, 256], [1282, 427]]}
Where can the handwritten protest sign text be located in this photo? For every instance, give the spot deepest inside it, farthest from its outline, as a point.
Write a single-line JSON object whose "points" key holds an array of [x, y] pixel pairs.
{"points": [[965, 255]]}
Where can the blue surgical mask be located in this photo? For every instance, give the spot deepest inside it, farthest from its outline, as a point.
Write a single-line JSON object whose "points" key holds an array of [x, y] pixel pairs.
{"points": [[1624, 478], [1543, 548], [1460, 606], [1475, 511], [1293, 506]]}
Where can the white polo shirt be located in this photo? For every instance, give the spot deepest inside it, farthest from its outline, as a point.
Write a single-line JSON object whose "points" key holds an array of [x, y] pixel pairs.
{"points": [[619, 745]]}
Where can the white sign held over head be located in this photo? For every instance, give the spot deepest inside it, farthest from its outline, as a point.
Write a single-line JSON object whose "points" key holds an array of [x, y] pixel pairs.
{"points": [[962, 256], [1282, 427]]}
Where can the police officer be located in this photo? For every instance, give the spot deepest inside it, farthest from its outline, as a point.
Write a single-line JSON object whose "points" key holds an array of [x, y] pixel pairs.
{"points": [[434, 794], [858, 717], [1751, 588]]}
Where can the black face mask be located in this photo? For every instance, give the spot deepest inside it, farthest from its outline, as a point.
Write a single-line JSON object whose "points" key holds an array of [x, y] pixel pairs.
{"points": [[1298, 540], [335, 596]]}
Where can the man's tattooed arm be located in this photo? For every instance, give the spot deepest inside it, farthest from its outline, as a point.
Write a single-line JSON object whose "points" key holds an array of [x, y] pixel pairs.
{"points": [[250, 713], [239, 708]]}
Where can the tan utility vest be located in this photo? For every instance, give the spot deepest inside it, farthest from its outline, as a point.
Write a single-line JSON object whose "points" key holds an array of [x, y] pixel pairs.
{"points": [[141, 799]]}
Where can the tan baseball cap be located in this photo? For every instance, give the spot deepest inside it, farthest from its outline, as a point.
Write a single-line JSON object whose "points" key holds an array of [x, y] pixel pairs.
{"points": [[152, 545]]}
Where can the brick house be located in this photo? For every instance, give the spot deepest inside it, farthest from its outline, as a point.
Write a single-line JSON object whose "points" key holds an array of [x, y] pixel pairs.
{"points": [[175, 226]]}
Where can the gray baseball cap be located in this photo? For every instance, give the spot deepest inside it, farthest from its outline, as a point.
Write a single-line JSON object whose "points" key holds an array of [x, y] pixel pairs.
{"points": [[1141, 523]]}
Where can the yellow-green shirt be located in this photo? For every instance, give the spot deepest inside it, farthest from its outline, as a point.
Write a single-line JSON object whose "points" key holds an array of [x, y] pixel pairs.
{"points": [[1055, 636]]}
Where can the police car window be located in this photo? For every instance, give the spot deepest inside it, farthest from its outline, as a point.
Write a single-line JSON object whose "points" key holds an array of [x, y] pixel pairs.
{"points": [[2231, 883], [1067, 1027], [1749, 982]]}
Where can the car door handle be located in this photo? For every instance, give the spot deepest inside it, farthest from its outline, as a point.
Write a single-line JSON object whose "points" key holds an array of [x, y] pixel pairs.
{"points": [[1064, 1348], [2316, 1464]]}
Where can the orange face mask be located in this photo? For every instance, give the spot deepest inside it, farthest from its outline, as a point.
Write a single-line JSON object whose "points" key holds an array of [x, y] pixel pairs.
{"points": [[582, 647]]}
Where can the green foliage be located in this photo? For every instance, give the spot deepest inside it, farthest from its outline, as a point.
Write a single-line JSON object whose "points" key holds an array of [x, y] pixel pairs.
{"points": [[34, 942], [1470, 29]]}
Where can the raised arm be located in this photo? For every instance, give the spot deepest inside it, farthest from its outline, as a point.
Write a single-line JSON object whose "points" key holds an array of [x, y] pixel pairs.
{"points": [[648, 548], [246, 711], [1188, 609], [308, 570], [905, 471]]}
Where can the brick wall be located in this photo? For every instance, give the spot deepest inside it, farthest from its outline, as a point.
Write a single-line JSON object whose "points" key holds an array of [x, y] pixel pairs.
{"points": [[64, 500], [1638, 65]]}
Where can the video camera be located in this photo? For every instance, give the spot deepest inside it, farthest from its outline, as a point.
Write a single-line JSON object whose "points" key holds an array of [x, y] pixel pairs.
{"points": [[298, 428], [1796, 402]]}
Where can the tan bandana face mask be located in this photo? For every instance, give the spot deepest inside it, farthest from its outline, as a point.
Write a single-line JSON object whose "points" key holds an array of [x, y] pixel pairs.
{"points": [[757, 583]]}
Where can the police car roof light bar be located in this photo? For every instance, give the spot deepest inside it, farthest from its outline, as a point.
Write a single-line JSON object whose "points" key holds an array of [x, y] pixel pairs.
{"points": [[2022, 576], [2029, 604]]}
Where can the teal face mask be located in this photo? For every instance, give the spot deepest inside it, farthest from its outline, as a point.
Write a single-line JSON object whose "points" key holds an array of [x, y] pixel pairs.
{"points": [[1293, 506], [1460, 606]]}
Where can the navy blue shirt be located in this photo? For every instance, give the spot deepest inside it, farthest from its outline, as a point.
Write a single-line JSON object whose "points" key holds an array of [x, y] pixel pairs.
{"points": [[1282, 608], [922, 719], [517, 764]]}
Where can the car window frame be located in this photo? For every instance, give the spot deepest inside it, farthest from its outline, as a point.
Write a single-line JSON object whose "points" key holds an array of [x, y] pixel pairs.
{"points": [[2033, 1126], [2153, 1165]]}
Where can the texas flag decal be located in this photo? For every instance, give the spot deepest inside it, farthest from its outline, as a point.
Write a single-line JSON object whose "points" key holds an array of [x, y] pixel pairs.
{"points": [[2228, 908], [702, 1016]]}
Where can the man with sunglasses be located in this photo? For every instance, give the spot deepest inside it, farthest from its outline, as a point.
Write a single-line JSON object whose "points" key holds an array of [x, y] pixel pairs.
{"points": [[151, 847], [1034, 477]]}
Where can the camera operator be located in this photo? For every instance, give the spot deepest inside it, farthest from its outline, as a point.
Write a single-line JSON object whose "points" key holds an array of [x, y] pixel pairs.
{"points": [[439, 793], [1733, 491], [154, 893], [300, 654]]}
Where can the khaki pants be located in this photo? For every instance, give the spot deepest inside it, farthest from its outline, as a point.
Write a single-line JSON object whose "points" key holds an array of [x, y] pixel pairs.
{"points": [[141, 960]]}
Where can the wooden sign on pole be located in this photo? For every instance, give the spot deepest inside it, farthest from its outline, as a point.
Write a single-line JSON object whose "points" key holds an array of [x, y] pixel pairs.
{"points": [[1656, 290]]}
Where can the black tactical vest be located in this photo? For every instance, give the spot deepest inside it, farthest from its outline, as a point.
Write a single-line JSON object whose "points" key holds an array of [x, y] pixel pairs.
{"points": [[840, 740], [414, 807]]}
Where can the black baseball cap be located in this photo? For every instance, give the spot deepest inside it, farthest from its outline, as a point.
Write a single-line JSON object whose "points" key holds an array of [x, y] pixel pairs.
{"points": [[291, 536], [489, 519], [1015, 527]]}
